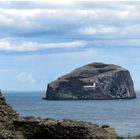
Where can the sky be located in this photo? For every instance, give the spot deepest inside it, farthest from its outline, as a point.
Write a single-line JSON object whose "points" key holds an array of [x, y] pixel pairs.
{"points": [[42, 40]]}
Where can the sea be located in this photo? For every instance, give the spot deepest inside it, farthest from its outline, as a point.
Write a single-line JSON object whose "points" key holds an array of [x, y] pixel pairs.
{"points": [[123, 115]]}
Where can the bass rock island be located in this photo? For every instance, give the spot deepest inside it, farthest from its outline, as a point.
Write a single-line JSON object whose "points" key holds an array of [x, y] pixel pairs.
{"points": [[95, 81]]}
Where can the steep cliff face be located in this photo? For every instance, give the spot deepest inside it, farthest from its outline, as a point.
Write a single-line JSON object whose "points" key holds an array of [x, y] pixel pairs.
{"points": [[93, 81]]}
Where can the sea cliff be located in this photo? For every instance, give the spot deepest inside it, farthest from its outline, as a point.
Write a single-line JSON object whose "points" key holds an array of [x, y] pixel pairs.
{"points": [[93, 81]]}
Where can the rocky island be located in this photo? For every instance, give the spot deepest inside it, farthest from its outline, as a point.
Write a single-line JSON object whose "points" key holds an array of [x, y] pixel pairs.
{"points": [[93, 81]]}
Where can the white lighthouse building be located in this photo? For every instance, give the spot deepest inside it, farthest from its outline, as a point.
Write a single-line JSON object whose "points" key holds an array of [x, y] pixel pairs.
{"points": [[93, 86]]}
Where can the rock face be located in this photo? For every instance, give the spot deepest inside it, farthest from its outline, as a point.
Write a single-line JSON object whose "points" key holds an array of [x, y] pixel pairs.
{"points": [[63, 129], [93, 81], [13, 126], [7, 116]]}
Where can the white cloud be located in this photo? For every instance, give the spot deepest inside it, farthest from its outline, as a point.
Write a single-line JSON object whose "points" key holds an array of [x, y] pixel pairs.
{"points": [[108, 30], [37, 28], [57, 2], [88, 30], [98, 30], [26, 77], [6, 45], [36, 17]]}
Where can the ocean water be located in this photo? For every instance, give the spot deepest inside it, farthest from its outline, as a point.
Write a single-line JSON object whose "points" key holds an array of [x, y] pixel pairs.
{"points": [[123, 115]]}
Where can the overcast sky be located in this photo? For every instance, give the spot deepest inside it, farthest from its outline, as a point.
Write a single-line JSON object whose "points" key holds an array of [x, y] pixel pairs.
{"points": [[42, 40]]}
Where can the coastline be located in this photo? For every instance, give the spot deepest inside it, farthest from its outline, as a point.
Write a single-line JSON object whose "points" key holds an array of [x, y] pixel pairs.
{"points": [[117, 113], [14, 126], [24, 120]]}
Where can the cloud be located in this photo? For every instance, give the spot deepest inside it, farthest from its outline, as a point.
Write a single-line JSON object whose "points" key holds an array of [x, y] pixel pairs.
{"points": [[35, 46], [26, 77], [99, 30], [47, 25]]}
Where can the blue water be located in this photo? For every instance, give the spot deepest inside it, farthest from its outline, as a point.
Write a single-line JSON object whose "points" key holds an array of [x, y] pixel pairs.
{"points": [[123, 115]]}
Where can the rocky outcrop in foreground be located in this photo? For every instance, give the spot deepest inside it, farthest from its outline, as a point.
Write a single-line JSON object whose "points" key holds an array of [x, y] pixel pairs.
{"points": [[7, 116], [64, 129], [13, 126], [93, 81]]}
